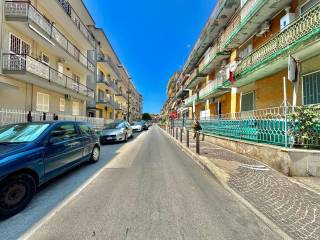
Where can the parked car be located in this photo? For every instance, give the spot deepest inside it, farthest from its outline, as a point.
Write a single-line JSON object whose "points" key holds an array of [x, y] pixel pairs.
{"points": [[118, 131], [145, 125], [33, 153], [137, 126]]}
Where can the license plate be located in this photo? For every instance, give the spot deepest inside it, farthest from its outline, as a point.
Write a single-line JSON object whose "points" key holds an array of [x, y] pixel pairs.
{"points": [[109, 138]]}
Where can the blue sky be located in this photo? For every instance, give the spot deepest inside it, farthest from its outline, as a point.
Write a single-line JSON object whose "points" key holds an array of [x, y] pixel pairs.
{"points": [[152, 38]]}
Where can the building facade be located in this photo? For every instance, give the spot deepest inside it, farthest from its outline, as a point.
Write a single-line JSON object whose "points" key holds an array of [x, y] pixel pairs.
{"points": [[54, 61], [252, 54]]}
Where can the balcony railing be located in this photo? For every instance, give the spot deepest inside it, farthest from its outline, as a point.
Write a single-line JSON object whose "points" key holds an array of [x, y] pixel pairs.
{"points": [[24, 10], [304, 28], [108, 60], [211, 56], [105, 99], [189, 101], [76, 20], [13, 63], [211, 88], [109, 83], [192, 77]]}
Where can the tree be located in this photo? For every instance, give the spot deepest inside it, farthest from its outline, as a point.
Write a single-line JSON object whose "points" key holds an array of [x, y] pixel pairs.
{"points": [[146, 117]]}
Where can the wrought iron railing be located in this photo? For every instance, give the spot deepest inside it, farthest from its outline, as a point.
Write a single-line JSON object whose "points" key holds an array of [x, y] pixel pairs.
{"points": [[13, 63], [76, 20], [189, 101], [282, 126], [211, 88], [250, 8], [19, 9], [305, 27]]}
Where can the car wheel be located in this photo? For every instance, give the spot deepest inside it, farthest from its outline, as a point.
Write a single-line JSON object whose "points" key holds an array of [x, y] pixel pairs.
{"points": [[95, 155], [15, 194]]}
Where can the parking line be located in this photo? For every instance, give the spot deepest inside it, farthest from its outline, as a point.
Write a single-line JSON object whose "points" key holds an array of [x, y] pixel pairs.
{"points": [[27, 235]]}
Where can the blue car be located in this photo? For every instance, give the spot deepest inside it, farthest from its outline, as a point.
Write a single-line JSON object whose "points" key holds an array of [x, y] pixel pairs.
{"points": [[33, 153]]}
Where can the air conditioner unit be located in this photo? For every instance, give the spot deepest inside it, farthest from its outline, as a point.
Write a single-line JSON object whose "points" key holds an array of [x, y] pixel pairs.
{"points": [[45, 59], [286, 20], [67, 97]]}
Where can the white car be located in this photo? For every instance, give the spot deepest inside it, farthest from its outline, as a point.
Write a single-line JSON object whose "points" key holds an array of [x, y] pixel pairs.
{"points": [[137, 126]]}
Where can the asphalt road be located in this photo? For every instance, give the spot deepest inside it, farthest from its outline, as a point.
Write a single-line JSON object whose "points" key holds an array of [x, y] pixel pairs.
{"points": [[150, 190]]}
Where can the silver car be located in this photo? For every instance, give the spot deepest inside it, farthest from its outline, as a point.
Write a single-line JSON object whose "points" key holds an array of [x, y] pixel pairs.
{"points": [[118, 131]]}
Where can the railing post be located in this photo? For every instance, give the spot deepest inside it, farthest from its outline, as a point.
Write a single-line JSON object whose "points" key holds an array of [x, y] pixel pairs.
{"points": [[197, 143], [177, 131], [188, 133], [181, 135]]}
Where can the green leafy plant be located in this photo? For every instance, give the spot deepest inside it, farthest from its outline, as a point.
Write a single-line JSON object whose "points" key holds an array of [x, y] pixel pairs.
{"points": [[305, 128]]}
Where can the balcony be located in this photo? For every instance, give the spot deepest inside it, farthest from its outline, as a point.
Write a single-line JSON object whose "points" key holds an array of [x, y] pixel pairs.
{"points": [[212, 59], [110, 66], [221, 15], [122, 95], [109, 83], [30, 70], [67, 16], [194, 79], [106, 100], [189, 101], [213, 88], [29, 20], [252, 15], [302, 36]]}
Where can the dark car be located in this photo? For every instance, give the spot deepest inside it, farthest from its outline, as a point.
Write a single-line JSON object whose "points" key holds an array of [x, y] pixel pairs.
{"points": [[33, 153]]}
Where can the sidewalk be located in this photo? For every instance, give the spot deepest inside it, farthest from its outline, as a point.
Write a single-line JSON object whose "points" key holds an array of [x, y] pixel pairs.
{"points": [[291, 207]]}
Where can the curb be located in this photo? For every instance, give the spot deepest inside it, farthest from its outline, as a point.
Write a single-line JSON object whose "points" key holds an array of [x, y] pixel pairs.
{"points": [[222, 178]]}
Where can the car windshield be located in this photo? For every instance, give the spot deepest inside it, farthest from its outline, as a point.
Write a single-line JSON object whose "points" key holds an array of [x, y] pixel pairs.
{"points": [[114, 125], [21, 133]]}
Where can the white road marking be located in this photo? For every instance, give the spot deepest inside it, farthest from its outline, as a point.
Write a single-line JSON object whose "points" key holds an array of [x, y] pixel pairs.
{"points": [[27, 235]]}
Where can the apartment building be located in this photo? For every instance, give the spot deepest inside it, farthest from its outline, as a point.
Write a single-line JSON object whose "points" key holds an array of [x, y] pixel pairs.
{"points": [[47, 56], [55, 60], [249, 54]]}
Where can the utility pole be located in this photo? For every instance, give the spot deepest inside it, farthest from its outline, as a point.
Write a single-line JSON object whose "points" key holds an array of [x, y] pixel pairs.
{"points": [[128, 114]]}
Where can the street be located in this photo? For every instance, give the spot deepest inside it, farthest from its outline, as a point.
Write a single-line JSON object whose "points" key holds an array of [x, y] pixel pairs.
{"points": [[150, 190]]}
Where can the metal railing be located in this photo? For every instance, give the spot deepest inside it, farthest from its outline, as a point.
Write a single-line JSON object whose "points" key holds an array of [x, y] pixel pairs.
{"points": [[281, 126], [211, 88], [108, 60], [10, 116], [189, 101], [18, 9], [298, 31], [13, 63], [76, 20]]}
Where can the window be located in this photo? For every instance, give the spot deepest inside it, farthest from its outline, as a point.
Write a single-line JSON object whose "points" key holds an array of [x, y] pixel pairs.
{"points": [[62, 104], [245, 51], [86, 130], [18, 46], [248, 102], [75, 108], [43, 102], [307, 6], [311, 88], [64, 132]]}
